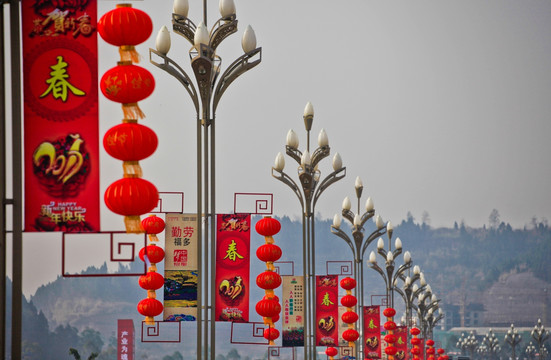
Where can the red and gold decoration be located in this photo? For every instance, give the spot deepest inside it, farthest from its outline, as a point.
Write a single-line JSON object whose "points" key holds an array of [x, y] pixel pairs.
{"points": [[372, 331], [416, 343], [390, 338], [331, 352], [292, 323], [431, 351], [349, 317], [233, 247], [401, 342], [442, 354], [61, 128], [269, 307], [152, 280], [130, 142], [327, 310]]}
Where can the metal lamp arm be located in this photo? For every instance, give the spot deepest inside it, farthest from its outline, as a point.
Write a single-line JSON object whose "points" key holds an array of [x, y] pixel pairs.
{"points": [[348, 215], [345, 237], [366, 216], [181, 25], [284, 178], [401, 270], [240, 66], [404, 297], [328, 181], [374, 235], [377, 268], [320, 154], [175, 70]]}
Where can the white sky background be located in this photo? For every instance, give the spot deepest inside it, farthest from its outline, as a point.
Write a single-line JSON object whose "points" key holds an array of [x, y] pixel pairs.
{"points": [[439, 106]]}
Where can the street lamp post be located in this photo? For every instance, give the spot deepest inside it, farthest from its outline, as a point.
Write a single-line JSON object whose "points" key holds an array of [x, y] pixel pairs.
{"points": [[461, 344], [492, 344], [205, 95], [432, 320], [425, 302], [513, 338], [308, 192], [411, 291], [390, 277], [358, 244], [470, 344], [530, 351], [540, 335]]}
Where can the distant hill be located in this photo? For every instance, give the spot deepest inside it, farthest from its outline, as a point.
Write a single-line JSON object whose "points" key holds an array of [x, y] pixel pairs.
{"points": [[458, 263]]}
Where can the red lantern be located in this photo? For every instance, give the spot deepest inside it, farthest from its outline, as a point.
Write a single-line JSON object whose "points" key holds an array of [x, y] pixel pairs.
{"points": [[430, 342], [441, 351], [155, 254], [130, 142], [391, 350], [349, 301], [151, 281], [431, 351], [127, 83], [268, 253], [271, 333], [390, 338], [150, 307], [389, 312], [153, 224], [125, 26], [349, 317], [268, 308], [131, 196], [446, 357], [350, 335], [268, 280], [271, 296], [415, 331], [267, 226], [390, 325], [416, 351], [331, 351], [348, 283], [415, 341], [275, 318]]}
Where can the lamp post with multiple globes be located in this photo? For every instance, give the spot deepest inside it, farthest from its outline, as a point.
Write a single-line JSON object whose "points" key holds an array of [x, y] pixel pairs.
{"points": [[358, 244], [491, 343], [513, 338], [540, 335], [205, 94], [308, 191]]}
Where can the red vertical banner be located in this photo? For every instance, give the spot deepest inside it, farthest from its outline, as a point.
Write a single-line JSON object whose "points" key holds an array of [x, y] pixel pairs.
{"points": [[125, 339], [327, 310], [401, 344], [372, 332], [422, 347], [233, 248], [61, 131], [293, 311]]}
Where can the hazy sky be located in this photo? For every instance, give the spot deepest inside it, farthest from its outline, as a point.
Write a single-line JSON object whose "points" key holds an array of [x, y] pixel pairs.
{"points": [[439, 106]]}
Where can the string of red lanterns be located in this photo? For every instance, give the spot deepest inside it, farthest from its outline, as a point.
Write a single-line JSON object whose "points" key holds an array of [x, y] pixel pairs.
{"points": [[269, 307], [331, 352], [130, 142], [430, 350], [416, 342], [390, 338], [350, 317]]}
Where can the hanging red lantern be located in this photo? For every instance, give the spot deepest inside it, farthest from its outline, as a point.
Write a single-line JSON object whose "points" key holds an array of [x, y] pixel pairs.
{"points": [[127, 83], [416, 351], [331, 351], [389, 312], [390, 325], [441, 351], [267, 226], [349, 301], [268, 308], [125, 27], [415, 331], [271, 333], [275, 318], [350, 335], [268, 280], [268, 253], [130, 141], [391, 350], [430, 342], [415, 341], [131, 197], [271, 296], [348, 283], [151, 281], [349, 317], [155, 254], [390, 338], [431, 351], [153, 224], [150, 307]]}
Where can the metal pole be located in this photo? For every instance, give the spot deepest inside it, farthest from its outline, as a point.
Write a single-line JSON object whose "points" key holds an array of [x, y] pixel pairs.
{"points": [[3, 154], [313, 288], [206, 233], [305, 290], [17, 247], [200, 299], [213, 239]]}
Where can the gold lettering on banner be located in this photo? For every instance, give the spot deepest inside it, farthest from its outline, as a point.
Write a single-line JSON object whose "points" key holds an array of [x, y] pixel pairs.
{"points": [[60, 165], [58, 83]]}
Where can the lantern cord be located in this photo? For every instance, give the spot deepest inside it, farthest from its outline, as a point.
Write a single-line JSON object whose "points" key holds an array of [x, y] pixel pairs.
{"points": [[132, 111], [129, 53]]}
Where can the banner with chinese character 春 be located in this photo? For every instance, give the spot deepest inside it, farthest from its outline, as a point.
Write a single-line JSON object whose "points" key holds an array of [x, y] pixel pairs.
{"points": [[372, 332], [233, 243], [292, 302], [401, 344], [327, 310], [180, 290], [61, 131], [125, 339]]}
